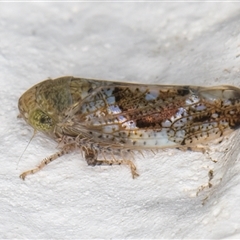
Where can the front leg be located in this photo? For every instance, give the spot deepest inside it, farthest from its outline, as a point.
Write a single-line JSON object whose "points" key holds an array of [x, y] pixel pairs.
{"points": [[47, 160], [91, 158]]}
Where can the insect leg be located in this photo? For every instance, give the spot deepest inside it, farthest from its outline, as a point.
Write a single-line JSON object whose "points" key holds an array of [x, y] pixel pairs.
{"points": [[91, 158], [47, 160]]}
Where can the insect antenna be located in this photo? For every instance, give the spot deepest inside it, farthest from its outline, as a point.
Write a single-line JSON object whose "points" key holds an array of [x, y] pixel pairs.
{"points": [[34, 133]]}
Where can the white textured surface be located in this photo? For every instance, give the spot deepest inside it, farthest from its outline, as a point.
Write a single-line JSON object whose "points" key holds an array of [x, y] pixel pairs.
{"points": [[174, 43]]}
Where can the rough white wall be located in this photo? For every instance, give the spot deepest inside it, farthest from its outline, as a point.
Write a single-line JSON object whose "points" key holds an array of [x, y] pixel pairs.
{"points": [[171, 43]]}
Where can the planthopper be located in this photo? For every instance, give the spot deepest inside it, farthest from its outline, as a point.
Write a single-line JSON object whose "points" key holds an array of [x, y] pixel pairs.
{"points": [[107, 121]]}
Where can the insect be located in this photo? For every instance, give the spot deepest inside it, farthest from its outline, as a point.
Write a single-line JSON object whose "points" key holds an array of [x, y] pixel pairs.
{"points": [[108, 120]]}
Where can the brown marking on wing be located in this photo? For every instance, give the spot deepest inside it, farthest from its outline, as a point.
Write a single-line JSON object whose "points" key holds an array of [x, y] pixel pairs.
{"points": [[155, 119]]}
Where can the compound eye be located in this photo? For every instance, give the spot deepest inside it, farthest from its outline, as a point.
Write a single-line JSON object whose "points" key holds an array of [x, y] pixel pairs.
{"points": [[44, 119], [40, 120]]}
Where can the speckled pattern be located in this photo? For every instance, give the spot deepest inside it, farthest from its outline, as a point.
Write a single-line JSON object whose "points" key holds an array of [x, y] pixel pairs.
{"points": [[113, 118]]}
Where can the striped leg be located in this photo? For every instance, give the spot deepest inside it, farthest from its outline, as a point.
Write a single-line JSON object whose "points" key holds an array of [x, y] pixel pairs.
{"points": [[47, 160], [91, 158]]}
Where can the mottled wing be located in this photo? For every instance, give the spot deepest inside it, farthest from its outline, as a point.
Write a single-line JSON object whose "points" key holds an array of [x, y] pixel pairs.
{"points": [[154, 116]]}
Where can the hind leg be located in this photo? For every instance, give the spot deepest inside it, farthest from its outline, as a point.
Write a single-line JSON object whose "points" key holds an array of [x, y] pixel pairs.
{"points": [[91, 158]]}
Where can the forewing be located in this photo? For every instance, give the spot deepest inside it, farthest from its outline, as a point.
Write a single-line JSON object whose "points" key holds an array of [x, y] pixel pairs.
{"points": [[129, 114], [152, 116]]}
